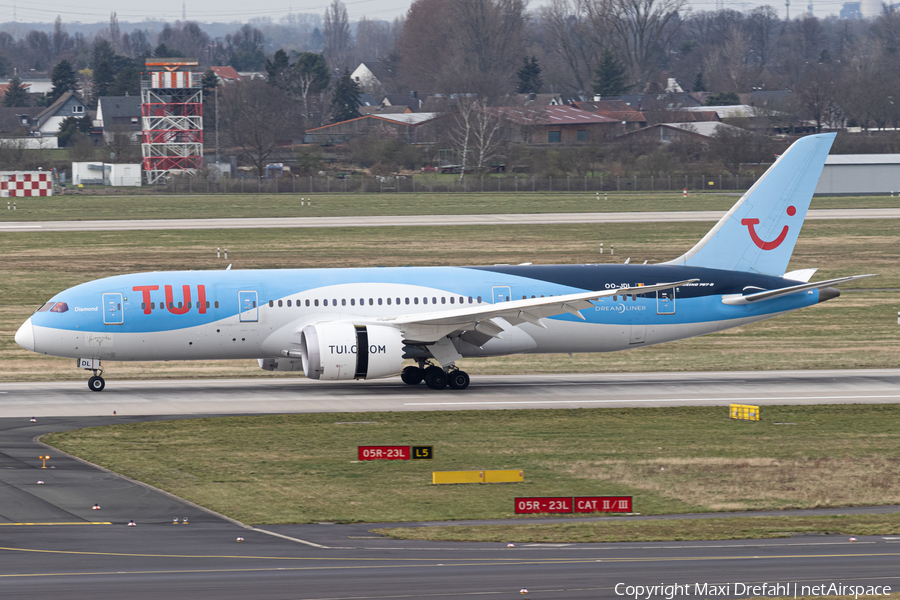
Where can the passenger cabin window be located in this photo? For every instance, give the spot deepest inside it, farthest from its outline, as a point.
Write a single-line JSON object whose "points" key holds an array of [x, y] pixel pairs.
{"points": [[217, 304], [271, 303], [60, 307]]}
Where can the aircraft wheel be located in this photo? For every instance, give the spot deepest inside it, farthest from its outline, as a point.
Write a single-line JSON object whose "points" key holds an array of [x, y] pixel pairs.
{"points": [[412, 376], [436, 379], [96, 384], [458, 380]]}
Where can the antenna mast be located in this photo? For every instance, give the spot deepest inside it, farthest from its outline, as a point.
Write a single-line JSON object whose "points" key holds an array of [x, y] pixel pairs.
{"points": [[184, 10]]}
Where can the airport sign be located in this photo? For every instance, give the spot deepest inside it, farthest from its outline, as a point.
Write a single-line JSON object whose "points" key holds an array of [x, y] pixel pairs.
{"points": [[578, 504], [384, 453]]}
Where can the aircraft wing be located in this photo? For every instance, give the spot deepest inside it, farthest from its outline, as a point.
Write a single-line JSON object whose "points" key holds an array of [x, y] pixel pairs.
{"points": [[431, 326], [735, 299]]}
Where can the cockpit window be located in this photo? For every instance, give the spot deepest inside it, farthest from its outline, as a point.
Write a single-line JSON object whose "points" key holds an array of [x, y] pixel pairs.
{"points": [[60, 307], [45, 307]]}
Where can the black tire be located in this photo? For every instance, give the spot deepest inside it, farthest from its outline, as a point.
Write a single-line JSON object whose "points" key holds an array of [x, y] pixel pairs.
{"points": [[436, 380], [412, 375], [458, 380], [96, 384]]}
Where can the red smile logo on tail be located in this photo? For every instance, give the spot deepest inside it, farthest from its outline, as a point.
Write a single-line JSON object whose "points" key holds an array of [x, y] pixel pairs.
{"points": [[751, 223]]}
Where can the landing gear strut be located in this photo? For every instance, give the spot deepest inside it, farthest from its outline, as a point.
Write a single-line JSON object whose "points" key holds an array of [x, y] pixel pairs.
{"points": [[435, 377]]}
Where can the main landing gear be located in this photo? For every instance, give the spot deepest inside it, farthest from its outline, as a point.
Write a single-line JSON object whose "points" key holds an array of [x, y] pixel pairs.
{"points": [[435, 377]]}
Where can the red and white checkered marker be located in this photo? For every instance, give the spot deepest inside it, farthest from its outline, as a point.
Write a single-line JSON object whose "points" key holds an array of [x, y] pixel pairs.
{"points": [[40, 482], [523, 591], [95, 507], [33, 420], [19, 184], [131, 524], [510, 545], [853, 539], [240, 539]]}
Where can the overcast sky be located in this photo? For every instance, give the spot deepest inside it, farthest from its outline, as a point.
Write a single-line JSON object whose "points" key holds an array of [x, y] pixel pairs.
{"points": [[88, 11]]}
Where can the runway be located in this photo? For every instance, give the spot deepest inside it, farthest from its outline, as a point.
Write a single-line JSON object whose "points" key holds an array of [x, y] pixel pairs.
{"points": [[96, 555], [297, 394], [425, 220]]}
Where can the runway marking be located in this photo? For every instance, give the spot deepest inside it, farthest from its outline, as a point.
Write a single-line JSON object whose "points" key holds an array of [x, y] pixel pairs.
{"points": [[289, 538], [756, 399], [76, 523], [21, 226], [430, 562]]}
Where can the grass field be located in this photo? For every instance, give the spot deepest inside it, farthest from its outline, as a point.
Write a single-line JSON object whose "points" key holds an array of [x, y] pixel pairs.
{"points": [[854, 331], [732, 528], [303, 468], [89, 207]]}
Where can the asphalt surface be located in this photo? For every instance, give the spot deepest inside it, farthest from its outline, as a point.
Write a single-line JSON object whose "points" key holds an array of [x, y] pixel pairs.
{"points": [[94, 554], [297, 394], [53, 544], [426, 220]]}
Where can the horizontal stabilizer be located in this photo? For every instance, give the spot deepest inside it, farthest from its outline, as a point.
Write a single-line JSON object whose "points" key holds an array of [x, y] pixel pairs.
{"points": [[737, 299]]}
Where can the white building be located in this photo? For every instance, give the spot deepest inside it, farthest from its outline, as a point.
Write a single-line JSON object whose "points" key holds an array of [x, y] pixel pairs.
{"points": [[98, 173]]}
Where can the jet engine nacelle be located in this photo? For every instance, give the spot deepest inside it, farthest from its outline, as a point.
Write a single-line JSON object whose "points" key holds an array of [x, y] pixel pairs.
{"points": [[335, 351]]}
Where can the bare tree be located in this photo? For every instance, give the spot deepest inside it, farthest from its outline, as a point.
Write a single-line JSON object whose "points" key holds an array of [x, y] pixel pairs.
{"points": [[336, 48], [727, 64], [816, 92], [477, 134], [642, 30], [733, 146], [570, 39], [471, 46], [255, 117]]}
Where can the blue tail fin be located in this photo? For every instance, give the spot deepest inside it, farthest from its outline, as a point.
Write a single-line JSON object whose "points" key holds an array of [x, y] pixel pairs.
{"points": [[758, 234]]}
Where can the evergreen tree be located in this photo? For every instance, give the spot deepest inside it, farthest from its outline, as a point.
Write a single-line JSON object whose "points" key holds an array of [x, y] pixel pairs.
{"points": [[209, 82], [63, 78], [530, 81], [276, 67], [345, 102], [71, 126], [163, 51], [16, 94], [127, 83], [723, 99], [103, 79], [610, 76], [698, 85], [316, 39], [312, 72]]}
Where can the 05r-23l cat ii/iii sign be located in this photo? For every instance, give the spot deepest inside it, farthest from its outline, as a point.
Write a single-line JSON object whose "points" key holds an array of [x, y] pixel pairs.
{"points": [[338, 324]]}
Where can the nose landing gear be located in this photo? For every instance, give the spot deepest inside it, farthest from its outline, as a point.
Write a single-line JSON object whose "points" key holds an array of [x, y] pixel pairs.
{"points": [[95, 383]]}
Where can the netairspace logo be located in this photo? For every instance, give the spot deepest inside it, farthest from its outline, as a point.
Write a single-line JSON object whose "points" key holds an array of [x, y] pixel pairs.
{"points": [[673, 590]]}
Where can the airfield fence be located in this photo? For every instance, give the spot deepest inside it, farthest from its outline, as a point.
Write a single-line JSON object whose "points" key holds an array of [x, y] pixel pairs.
{"points": [[431, 184]]}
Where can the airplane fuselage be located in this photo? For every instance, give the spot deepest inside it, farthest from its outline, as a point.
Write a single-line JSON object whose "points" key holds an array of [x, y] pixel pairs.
{"points": [[185, 315]]}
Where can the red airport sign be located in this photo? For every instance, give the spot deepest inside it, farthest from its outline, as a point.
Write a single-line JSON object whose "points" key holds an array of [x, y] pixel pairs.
{"points": [[384, 453], [567, 504], [530, 506], [614, 504]]}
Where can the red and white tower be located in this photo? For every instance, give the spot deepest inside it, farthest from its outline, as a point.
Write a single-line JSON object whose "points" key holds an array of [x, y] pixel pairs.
{"points": [[172, 109]]}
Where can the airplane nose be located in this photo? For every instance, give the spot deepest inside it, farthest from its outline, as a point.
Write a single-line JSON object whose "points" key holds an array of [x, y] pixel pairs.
{"points": [[25, 335]]}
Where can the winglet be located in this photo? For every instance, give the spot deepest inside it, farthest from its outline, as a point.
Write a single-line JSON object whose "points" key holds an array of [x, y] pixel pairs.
{"points": [[758, 234]]}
